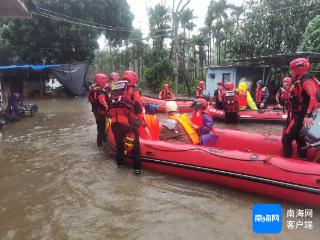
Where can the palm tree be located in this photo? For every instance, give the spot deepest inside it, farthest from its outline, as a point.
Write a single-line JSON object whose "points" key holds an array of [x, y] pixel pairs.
{"points": [[159, 18], [217, 21]]}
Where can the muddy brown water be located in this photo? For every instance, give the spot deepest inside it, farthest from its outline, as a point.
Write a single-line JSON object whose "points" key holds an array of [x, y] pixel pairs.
{"points": [[55, 183]]}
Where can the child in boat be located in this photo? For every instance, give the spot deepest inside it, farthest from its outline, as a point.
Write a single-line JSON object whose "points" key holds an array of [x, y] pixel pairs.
{"points": [[177, 127], [203, 123]]}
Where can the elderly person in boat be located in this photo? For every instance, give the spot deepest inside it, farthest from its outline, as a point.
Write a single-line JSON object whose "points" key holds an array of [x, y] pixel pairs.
{"points": [[177, 127]]}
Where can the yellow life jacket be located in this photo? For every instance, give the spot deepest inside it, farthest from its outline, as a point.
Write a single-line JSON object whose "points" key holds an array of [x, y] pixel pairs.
{"points": [[244, 97], [185, 122]]}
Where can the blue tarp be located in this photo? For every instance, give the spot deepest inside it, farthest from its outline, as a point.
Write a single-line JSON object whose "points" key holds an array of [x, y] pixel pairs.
{"points": [[31, 67]]}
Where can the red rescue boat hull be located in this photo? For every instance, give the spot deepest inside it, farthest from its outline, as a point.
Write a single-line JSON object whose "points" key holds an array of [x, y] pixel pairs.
{"points": [[246, 161], [268, 115]]}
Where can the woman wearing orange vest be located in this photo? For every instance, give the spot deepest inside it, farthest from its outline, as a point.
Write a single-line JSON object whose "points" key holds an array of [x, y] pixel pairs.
{"points": [[126, 119], [203, 123], [177, 127]]}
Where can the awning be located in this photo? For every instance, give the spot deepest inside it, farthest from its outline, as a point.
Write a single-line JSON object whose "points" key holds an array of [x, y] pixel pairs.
{"points": [[28, 67]]}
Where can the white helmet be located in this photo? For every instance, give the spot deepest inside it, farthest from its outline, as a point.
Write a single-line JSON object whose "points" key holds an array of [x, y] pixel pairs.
{"points": [[171, 106]]}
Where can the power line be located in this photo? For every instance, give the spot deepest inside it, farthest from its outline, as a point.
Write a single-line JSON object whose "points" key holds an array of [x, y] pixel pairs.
{"points": [[197, 66], [57, 18], [77, 21], [53, 17], [81, 20]]}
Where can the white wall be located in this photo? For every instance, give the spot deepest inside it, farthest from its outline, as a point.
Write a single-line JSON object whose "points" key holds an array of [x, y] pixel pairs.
{"points": [[211, 84]]}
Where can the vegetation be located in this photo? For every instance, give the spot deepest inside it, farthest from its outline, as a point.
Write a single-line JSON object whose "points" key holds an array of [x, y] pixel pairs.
{"points": [[62, 30], [259, 27]]}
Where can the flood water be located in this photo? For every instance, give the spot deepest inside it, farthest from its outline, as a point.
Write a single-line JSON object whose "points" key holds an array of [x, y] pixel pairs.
{"points": [[55, 183]]}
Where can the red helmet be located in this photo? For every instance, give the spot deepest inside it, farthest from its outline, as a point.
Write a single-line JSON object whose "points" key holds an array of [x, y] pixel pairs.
{"points": [[201, 84], [287, 80], [229, 86], [166, 86], [131, 76], [114, 76], [300, 66], [101, 79], [202, 103]]}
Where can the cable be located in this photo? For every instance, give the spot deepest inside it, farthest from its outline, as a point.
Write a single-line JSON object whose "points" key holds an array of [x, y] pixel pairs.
{"points": [[97, 27], [78, 19], [74, 22], [189, 61]]}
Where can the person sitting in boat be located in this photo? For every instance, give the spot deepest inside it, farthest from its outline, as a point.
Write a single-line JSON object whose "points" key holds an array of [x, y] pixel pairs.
{"points": [[152, 122], [200, 89], [165, 93], [203, 123], [262, 95], [282, 96], [218, 93], [177, 127], [244, 97]]}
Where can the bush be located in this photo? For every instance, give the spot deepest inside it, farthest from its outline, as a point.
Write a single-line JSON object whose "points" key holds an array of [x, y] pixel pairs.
{"points": [[158, 74]]}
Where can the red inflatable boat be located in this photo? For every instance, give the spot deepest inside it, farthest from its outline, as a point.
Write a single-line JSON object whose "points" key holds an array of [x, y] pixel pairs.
{"points": [[268, 115], [183, 104], [246, 161]]}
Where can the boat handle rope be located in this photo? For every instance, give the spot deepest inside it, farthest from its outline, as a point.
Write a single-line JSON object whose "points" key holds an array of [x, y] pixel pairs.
{"points": [[192, 149], [265, 160]]}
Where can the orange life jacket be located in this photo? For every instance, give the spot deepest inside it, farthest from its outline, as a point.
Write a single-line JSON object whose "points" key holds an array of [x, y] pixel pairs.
{"points": [[165, 94], [197, 118], [242, 99], [125, 105], [152, 123], [259, 94], [93, 97]]}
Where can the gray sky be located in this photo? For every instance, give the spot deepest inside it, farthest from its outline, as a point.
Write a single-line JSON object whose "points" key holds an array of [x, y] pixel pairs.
{"points": [[139, 9]]}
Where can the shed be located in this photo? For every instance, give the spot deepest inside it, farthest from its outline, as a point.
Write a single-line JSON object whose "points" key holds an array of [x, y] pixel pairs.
{"points": [[234, 74]]}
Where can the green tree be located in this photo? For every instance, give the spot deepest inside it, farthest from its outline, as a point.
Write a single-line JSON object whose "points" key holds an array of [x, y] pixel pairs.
{"points": [[42, 39], [273, 26], [311, 37], [159, 18], [219, 25]]}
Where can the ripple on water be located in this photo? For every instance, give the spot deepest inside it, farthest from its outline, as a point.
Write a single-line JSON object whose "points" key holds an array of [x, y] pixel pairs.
{"points": [[59, 185]]}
